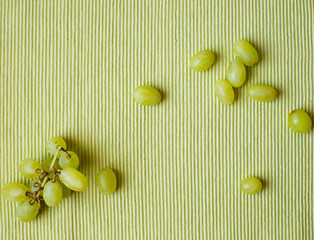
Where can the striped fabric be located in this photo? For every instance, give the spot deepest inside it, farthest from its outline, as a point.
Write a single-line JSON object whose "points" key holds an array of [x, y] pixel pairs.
{"points": [[68, 69]]}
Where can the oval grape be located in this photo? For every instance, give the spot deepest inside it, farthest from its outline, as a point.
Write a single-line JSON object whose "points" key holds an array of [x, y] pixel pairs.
{"points": [[15, 192], [224, 91], [26, 212], [202, 60], [236, 73], [28, 168], [73, 179], [69, 159], [251, 185], [53, 143], [246, 52], [299, 121], [262, 93], [147, 96], [52, 193], [106, 181]]}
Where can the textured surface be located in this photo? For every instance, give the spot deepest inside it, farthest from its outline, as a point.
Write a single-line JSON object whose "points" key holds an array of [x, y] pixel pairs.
{"points": [[68, 69]]}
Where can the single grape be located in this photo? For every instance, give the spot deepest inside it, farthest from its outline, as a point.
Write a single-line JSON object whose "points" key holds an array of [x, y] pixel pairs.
{"points": [[73, 179], [15, 192], [26, 212], [52, 193], [147, 96], [202, 60], [69, 159], [224, 91], [236, 73], [299, 121], [28, 168], [53, 143], [246, 52], [261, 93], [251, 185], [106, 181]]}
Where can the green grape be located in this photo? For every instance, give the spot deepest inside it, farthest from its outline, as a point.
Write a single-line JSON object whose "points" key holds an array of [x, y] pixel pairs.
{"points": [[53, 144], [28, 168], [47, 162], [33, 189], [66, 192], [262, 93], [26, 212], [246, 52], [15, 192], [202, 60], [106, 181], [147, 96], [224, 91], [236, 73], [73, 179], [69, 159], [299, 121], [251, 185], [46, 166], [52, 193]]}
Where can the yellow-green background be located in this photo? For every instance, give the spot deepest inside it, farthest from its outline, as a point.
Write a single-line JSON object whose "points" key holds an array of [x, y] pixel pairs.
{"points": [[68, 69]]}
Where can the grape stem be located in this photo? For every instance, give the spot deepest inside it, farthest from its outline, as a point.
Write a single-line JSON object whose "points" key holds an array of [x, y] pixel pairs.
{"points": [[68, 155], [59, 148]]}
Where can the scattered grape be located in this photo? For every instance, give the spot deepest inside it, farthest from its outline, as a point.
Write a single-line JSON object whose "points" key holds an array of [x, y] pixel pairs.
{"points": [[246, 52], [15, 192], [299, 121], [224, 91], [28, 168], [236, 73], [73, 179], [251, 185], [146, 95], [69, 159], [106, 181], [262, 93], [53, 144], [52, 193], [202, 60], [26, 212]]}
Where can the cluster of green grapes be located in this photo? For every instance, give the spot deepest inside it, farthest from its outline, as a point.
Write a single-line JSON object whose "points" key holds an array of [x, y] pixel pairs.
{"points": [[52, 181]]}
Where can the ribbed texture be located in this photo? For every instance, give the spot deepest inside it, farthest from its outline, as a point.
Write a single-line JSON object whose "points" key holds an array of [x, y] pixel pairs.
{"points": [[68, 69]]}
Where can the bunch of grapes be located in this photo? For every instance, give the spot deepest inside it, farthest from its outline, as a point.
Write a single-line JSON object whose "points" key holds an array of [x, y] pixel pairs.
{"points": [[52, 181]]}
